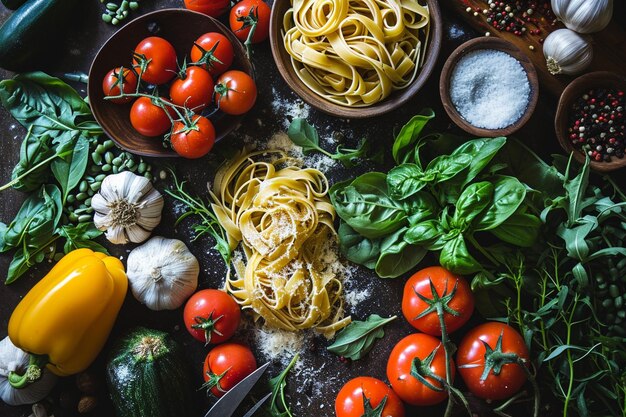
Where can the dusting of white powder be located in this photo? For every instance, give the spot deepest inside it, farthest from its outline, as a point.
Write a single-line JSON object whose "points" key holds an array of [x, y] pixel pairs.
{"points": [[281, 141], [289, 109], [489, 89]]}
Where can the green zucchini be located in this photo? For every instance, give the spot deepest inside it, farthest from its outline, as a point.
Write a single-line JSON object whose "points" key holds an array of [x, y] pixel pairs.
{"points": [[12, 4], [31, 32], [147, 377]]}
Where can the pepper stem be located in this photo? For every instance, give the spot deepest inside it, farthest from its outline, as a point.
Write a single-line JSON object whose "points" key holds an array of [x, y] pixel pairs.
{"points": [[33, 372]]}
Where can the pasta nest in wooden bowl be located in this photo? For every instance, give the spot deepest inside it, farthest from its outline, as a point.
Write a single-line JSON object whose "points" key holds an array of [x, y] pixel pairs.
{"points": [[355, 58]]}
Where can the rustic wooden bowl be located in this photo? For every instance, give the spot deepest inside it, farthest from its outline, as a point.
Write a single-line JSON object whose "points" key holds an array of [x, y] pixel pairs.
{"points": [[497, 44], [573, 91], [181, 28], [395, 100]]}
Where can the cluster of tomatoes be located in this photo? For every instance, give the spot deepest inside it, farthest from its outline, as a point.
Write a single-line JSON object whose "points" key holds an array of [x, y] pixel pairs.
{"points": [[492, 358], [188, 92], [212, 317]]}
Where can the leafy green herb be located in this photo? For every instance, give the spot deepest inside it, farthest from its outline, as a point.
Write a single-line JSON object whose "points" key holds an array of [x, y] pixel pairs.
{"points": [[358, 338], [81, 236], [406, 143], [69, 170], [35, 157], [279, 406], [304, 135]]}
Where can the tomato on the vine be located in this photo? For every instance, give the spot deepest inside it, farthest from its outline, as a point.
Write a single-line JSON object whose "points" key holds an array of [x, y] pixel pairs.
{"points": [[225, 366], [157, 58], [427, 354], [193, 138], [235, 92], [193, 89], [361, 396], [119, 80], [213, 8], [211, 316], [214, 52], [149, 118], [452, 294], [250, 19], [493, 376]]}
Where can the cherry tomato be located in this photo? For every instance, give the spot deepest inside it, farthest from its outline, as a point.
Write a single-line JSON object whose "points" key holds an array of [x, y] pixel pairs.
{"points": [[225, 366], [149, 118], [248, 13], [214, 51], [159, 57], [351, 400], [407, 386], [193, 90], [116, 78], [193, 141], [211, 316], [213, 8], [505, 378], [451, 290], [235, 92]]}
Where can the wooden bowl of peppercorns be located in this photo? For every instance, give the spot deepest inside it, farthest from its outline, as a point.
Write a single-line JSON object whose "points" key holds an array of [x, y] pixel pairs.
{"points": [[591, 120]]}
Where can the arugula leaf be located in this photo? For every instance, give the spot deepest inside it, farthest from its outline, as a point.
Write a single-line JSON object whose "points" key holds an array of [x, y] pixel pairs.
{"points": [[404, 146], [278, 406], [575, 188], [357, 339]]}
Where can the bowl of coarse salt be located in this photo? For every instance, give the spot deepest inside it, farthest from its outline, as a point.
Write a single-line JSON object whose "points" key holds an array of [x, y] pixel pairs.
{"points": [[489, 87]]}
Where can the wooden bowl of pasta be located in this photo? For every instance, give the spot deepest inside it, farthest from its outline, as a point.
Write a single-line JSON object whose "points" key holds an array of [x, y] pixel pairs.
{"points": [[346, 65]]}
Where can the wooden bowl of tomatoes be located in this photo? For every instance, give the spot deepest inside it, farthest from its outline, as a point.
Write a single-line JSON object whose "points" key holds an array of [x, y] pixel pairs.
{"points": [[171, 83]]}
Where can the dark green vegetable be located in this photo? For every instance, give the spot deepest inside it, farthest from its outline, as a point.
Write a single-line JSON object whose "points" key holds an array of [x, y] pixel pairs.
{"points": [[33, 168], [358, 338], [25, 37], [147, 376], [278, 406], [13, 4]]}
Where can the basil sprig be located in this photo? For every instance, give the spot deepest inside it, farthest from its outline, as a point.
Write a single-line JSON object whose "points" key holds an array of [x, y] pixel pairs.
{"points": [[358, 338]]}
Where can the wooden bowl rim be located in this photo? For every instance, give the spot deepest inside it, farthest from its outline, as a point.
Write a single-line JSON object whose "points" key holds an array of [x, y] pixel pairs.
{"points": [[395, 100], [488, 43], [574, 90], [165, 152]]}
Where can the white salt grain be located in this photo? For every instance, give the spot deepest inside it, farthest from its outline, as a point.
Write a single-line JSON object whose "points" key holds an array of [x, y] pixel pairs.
{"points": [[489, 89]]}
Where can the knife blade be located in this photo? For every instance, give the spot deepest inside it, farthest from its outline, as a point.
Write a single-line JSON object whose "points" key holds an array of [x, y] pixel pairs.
{"points": [[258, 405], [228, 403]]}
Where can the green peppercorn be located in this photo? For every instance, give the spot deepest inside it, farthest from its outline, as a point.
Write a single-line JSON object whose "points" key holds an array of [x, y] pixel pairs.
{"points": [[81, 196]]}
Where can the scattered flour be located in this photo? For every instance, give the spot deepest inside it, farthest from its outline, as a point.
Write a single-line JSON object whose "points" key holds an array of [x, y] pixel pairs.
{"points": [[289, 109]]}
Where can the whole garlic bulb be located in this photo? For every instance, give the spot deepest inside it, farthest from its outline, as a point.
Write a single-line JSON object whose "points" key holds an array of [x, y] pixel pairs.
{"points": [[162, 273], [567, 52], [127, 207], [584, 16]]}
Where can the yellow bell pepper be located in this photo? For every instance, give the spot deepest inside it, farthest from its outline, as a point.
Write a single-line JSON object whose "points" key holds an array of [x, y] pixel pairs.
{"points": [[66, 318]]}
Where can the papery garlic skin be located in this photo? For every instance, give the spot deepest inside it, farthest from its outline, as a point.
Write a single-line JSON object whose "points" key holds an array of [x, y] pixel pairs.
{"points": [[584, 16], [162, 273], [127, 207], [13, 359], [567, 52]]}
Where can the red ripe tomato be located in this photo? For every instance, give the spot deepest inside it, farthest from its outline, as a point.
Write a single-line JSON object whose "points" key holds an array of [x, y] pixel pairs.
{"points": [[363, 394], [116, 78], [409, 388], [211, 316], [506, 376], [451, 291], [213, 8], [149, 118], [214, 51], [159, 59], [248, 14], [193, 139], [193, 90], [235, 92], [225, 366]]}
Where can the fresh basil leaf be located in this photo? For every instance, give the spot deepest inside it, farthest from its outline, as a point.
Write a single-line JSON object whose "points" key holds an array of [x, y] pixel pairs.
{"points": [[366, 206], [304, 135], [576, 188], [447, 167], [81, 236], [406, 180], [424, 233], [405, 143], [3, 231], [482, 152], [357, 248], [471, 203], [348, 157], [521, 229], [575, 237], [508, 195], [18, 266], [69, 171], [397, 256], [35, 159], [456, 258], [358, 338], [420, 207]]}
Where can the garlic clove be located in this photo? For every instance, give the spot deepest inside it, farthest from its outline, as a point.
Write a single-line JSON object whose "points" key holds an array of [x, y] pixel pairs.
{"points": [[137, 234], [583, 16], [567, 52], [116, 235]]}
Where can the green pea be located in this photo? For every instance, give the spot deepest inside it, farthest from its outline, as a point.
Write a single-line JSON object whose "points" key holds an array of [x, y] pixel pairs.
{"points": [[88, 202], [116, 169], [96, 158], [130, 164], [613, 290], [117, 161], [71, 198], [134, 5], [73, 217], [112, 6], [108, 144], [83, 218], [142, 168], [96, 186], [100, 149], [108, 157], [115, 21], [106, 18], [101, 177], [607, 303], [90, 192], [106, 168], [82, 187], [81, 196], [618, 301]]}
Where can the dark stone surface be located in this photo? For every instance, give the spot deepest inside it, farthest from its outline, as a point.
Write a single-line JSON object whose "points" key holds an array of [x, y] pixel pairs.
{"points": [[86, 34]]}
